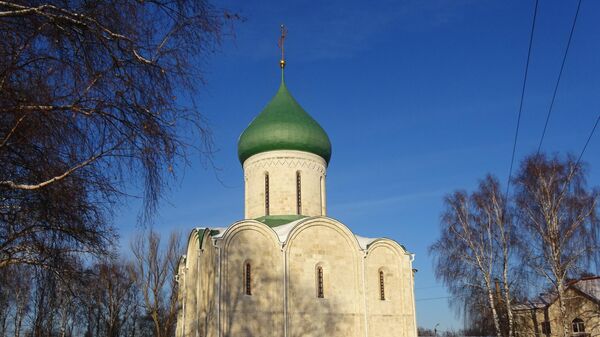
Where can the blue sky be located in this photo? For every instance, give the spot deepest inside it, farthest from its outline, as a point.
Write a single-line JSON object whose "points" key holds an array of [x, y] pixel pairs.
{"points": [[419, 98]]}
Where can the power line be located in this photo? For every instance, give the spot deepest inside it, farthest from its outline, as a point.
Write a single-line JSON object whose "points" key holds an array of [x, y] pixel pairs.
{"points": [[562, 66], [438, 298], [576, 166], [429, 287], [587, 142], [432, 298], [512, 160]]}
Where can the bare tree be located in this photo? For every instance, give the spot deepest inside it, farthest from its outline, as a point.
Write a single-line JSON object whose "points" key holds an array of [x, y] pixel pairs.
{"points": [[421, 331], [108, 297], [44, 319], [559, 221], [21, 292], [155, 270], [5, 302], [474, 251], [93, 102], [119, 295], [493, 210], [66, 310]]}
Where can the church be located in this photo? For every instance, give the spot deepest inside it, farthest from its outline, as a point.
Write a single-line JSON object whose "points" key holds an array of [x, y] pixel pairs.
{"points": [[287, 269]]}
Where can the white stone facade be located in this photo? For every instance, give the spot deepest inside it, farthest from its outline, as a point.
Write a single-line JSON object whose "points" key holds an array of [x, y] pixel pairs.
{"points": [[283, 167], [367, 284]]}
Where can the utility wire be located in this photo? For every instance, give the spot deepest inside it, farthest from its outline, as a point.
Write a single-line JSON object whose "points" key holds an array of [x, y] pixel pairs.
{"points": [[438, 298], [576, 166], [429, 287], [512, 160], [587, 142], [562, 66], [432, 298]]}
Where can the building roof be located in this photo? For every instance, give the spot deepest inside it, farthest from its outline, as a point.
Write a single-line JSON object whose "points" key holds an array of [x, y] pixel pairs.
{"points": [[278, 220], [539, 302], [283, 229], [589, 286], [283, 125], [283, 224]]}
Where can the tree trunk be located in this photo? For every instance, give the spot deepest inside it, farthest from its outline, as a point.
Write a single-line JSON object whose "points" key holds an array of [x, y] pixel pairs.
{"points": [[3, 317], [509, 314], [563, 309], [506, 290], [18, 321], [492, 304], [157, 326]]}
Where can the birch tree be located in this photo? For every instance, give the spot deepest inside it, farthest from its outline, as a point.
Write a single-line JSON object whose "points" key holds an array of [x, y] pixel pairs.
{"points": [[94, 107], [493, 210], [558, 215], [474, 250]]}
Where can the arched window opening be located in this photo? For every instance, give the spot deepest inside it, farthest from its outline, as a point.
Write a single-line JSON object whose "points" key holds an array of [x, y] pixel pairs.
{"points": [[578, 325], [381, 286], [248, 278], [298, 193], [320, 290], [266, 193]]}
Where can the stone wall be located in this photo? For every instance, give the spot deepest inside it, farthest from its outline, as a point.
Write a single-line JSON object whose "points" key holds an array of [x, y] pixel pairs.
{"points": [[191, 286], [181, 298], [529, 322], [261, 313], [284, 284], [282, 167], [207, 288], [341, 311], [394, 314]]}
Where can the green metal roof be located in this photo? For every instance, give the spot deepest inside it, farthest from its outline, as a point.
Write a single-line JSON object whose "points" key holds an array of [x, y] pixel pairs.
{"points": [[278, 220], [283, 125], [201, 232]]}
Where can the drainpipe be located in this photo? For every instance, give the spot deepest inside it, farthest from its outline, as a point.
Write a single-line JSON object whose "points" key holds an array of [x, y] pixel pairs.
{"points": [[285, 299], [183, 305], [197, 295], [412, 282], [220, 333], [364, 282]]}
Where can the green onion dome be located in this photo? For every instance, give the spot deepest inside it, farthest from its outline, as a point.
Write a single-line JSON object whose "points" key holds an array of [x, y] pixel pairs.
{"points": [[283, 125]]}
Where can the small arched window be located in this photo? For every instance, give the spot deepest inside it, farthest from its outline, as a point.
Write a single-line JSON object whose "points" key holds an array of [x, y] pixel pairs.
{"points": [[578, 325], [381, 286], [266, 193], [248, 278], [298, 193], [320, 290]]}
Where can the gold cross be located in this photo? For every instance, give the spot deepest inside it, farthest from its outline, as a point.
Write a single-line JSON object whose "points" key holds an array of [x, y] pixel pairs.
{"points": [[280, 44]]}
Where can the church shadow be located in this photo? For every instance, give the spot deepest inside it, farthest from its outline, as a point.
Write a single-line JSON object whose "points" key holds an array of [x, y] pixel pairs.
{"points": [[264, 313]]}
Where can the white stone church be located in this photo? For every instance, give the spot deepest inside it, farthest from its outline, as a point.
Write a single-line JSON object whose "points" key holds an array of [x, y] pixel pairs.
{"points": [[287, 269]]}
